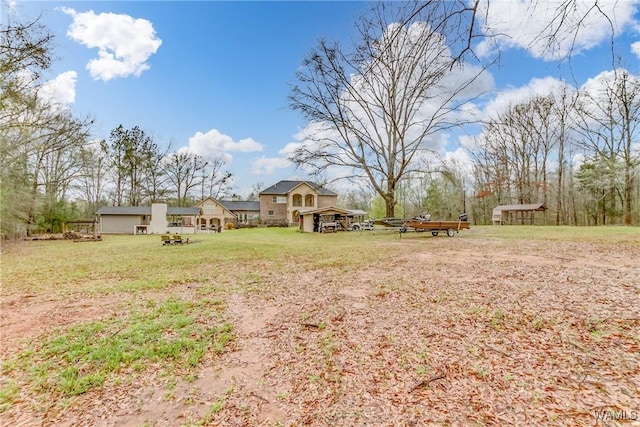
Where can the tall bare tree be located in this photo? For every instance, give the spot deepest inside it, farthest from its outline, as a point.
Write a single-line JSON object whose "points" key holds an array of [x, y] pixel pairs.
{"points": [[136, 164], [92, 181], [563, 110], [40, 139], [184, 171], [215, 182], [256, 188], [513, 156], [25, 53], [609, 121], [373, 107]]}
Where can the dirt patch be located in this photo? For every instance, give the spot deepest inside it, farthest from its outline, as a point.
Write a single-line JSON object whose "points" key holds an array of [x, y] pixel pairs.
{"points": [[25, 318], [443, 331]]}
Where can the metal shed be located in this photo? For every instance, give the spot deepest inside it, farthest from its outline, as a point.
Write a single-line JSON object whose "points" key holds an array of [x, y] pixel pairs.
{"points": [[517, 214]]}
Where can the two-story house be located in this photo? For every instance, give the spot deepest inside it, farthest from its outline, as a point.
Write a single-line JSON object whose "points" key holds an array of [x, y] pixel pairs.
{"points": [[281, 203]]}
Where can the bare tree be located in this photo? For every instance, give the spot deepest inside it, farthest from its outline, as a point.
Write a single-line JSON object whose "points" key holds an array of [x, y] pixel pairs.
{"points": [[184, 171], [25, 53], [215, 181], [256, 188], [155, 176], [53, 148], [374, 107], [92, 181], [563, 110], [135, 160], [609, 121], [513, 154]]}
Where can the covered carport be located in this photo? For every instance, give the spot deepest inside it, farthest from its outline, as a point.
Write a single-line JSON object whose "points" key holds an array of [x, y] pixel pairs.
{"points": [[517, 214], [312, 219]]}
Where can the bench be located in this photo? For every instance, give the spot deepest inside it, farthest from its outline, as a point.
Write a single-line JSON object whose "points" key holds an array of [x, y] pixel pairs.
{"points": [[173, 240], [178, 240]]}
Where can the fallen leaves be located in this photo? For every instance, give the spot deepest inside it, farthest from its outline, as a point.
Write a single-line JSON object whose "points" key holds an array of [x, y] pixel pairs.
{"points": [[492, 333]]}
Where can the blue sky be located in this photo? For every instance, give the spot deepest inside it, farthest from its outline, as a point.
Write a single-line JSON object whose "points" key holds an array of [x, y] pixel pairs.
{"points": [[212, 77]]}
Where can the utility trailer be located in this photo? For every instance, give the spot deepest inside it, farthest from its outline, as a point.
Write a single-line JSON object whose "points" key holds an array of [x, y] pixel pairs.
{"points": [[435, 227], [423, 223]]}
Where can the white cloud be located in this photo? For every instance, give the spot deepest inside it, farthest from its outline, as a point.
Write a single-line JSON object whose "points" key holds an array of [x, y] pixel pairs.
{"points": [[541, 28], [598, 90], [63, 87], [61, 91], [635, 48], [215, 144], [269, 165], [124, 43], [460, 160], [513, 96]]}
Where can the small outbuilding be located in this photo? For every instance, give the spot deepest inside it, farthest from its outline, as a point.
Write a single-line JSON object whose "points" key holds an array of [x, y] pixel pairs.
{"points": [[155, 219], [517, 214], [323, 219]]}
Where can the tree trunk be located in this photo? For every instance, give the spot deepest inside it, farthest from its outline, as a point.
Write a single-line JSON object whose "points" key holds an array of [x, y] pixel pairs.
{"points": [[559, 184], [390, 205], [628, 190]]}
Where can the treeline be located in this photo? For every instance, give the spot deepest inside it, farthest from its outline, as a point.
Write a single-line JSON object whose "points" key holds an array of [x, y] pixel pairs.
{"points": [[52, 170], [577, 151]]}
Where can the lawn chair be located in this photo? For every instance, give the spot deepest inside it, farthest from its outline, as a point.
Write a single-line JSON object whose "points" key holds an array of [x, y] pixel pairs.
{"points": [[166, 240], [178, 240]]}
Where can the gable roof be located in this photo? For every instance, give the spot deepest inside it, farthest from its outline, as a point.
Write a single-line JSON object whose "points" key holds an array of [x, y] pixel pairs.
{"points": [[328, 210], [183, 211], [144, 210], [358, 212], [526, 207], [284, 187], [217, 202], [240, 205], [124, 210]]}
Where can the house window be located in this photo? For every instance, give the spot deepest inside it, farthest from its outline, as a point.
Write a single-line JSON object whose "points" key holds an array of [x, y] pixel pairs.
{"points": [[297, 200], [279, 199], [309, 200], [209, 209], [271, 213]]}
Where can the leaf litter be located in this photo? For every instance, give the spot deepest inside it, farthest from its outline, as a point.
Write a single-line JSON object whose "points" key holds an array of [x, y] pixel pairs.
{"points": [[439, 332]]}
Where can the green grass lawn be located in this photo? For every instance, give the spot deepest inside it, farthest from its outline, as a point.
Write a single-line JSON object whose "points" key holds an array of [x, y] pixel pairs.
{"points": [[141, 262]]}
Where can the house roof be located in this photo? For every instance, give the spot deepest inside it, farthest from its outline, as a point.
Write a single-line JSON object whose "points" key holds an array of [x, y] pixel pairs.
{"points": [[526, 207], [124, 210], [144, 210], [183, 211], [219, 203], [329, 209], [240, 205], [284, 187]]}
